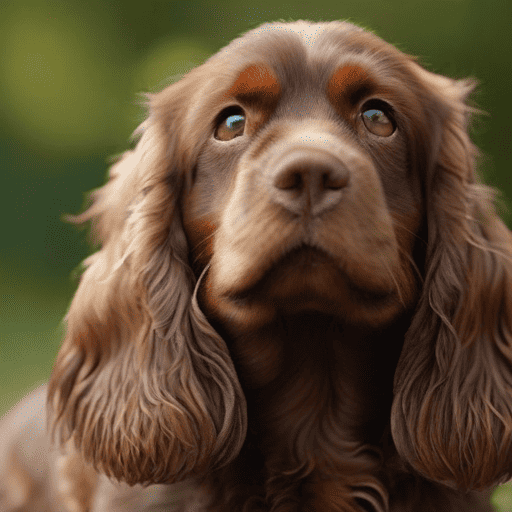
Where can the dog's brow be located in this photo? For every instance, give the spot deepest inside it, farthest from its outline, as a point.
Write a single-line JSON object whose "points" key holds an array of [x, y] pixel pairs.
{"points": [[256, 85], [348, 84]]}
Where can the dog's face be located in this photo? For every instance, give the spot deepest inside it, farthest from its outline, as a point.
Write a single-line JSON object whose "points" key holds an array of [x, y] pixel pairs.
{"points": [[305, 196]]}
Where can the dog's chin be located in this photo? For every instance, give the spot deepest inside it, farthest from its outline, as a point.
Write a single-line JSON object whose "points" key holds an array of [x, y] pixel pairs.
{"points": [[307, 279]]}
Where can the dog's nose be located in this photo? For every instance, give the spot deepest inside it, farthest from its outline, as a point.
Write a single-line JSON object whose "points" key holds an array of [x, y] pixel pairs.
{"points": [[307, 182]]}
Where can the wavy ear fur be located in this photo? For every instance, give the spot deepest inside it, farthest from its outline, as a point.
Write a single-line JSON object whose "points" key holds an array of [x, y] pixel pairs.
{"points": [[452, 411], [143, 385]]}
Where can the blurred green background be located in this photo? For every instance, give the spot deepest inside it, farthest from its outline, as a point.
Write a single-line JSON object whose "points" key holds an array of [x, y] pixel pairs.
{"points": [[70, 74]]}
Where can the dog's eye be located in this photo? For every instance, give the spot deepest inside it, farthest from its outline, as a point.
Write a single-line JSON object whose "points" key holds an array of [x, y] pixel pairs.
{"points": [[230, 124], [377, 122]]}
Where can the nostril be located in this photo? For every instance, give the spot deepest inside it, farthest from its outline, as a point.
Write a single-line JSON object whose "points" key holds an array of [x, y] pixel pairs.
{"points": [[334, 180], [289, 181]]}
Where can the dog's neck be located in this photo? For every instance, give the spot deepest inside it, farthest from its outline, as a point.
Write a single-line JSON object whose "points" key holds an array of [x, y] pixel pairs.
{"points": [[297, 370]]}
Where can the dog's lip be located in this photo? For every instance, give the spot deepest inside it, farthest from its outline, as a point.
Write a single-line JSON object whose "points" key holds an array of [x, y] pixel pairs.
{"points": [[301, 258], [304, 254]]}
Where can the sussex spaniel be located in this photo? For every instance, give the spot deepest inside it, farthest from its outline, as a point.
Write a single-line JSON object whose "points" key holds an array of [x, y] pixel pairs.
{"points": [[302, 300]]}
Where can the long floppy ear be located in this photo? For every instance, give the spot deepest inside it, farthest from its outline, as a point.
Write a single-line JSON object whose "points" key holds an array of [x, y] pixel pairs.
{"points": [[452, 412], [143, 385]]}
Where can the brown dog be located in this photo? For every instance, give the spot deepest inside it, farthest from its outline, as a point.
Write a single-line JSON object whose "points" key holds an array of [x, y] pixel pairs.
{"points": [[302, 300]]}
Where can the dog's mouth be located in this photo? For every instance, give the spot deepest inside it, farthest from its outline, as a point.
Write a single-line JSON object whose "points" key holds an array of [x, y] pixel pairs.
{"points": [[307, 277]]}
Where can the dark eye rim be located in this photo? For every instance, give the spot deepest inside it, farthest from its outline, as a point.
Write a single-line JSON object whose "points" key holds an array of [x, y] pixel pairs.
{"points": [[383, 106], [224, 114]]}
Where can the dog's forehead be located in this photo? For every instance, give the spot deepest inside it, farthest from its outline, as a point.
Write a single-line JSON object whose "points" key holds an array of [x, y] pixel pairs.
{"points": [[281, 40], [309, 32], [306, 49]]}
